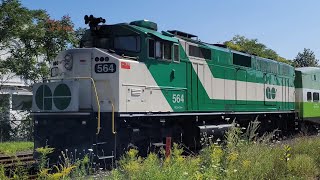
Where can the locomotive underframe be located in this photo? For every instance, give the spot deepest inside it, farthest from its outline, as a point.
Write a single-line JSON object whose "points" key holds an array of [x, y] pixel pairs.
{"points": [[75, 133]]}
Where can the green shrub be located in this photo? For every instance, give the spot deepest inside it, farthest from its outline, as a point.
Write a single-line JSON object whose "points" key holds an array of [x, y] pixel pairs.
{"points": [[176, 166], [303, 165], [212, 162], [248, 158], [240, 157], [2, 173], [309, 146], [257, 161]]}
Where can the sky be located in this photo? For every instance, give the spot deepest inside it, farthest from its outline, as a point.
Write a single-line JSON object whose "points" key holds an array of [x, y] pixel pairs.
{"points": [[286, 26]]}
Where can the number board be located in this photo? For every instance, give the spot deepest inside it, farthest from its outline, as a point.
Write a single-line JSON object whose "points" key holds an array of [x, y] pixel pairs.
{"points": [[178, 99], [105, 68]]}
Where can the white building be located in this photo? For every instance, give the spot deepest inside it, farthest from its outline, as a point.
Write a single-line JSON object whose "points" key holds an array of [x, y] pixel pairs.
{"points": [[15, 95]]}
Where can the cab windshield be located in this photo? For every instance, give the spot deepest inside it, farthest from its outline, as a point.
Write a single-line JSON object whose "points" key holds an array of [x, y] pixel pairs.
{"points": [[129, 43]]}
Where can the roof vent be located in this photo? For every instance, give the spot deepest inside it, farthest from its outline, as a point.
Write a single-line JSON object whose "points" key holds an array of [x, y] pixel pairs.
{"points": [[145, 24], [220, 45], [182, 34]]}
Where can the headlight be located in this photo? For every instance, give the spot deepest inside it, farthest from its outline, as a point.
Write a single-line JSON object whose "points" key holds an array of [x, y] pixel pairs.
{"points": [[68, 61]]}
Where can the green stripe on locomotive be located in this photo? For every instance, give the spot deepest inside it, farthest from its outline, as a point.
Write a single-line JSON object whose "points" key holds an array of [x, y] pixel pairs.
{"points": [[307, 84], [180, 78], [180, 83]]}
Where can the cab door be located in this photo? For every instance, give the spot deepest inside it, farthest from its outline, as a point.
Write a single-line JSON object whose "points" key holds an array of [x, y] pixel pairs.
{"points": [[194, 69], [82, 63]]}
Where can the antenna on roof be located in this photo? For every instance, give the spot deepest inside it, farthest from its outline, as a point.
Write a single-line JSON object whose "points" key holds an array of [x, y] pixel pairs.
{"points": [[93, 21]]}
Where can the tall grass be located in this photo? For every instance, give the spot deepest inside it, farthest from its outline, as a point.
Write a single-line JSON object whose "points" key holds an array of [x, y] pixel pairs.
{"points": [[243, 156], [11, 148], [177, 166], [69, 168]]}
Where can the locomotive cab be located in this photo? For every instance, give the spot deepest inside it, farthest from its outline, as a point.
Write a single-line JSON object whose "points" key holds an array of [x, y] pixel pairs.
{"points": [[78, 108]]}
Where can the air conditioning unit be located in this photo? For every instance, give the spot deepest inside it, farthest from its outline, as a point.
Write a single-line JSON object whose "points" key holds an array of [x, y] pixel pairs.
{"points": [[56, 96]]}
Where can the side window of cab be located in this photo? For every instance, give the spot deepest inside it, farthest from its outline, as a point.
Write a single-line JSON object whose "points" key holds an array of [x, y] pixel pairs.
{"points": [[151, 48], [163, 50], [176, 55]]}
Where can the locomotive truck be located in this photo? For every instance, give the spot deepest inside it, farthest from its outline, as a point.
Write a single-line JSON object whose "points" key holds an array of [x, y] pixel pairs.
{"points": [[130, 85]]}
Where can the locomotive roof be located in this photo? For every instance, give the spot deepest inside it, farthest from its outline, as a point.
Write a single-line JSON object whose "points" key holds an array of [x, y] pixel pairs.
{"points": [[182, 34], [175, 35], [162, 35], [308, 70]]}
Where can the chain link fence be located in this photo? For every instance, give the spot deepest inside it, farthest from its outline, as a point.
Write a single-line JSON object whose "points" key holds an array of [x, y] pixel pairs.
{"points": [[15, 123]]}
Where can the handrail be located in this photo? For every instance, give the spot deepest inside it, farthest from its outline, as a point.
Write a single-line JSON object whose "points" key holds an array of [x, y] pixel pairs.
{"points": [[112, 116], [96, 94], [113, 123]]}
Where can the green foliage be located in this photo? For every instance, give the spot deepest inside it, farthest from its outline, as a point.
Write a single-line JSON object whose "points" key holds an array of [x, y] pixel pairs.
{"points": [[308, 146], [10, 130], [212, 162], [82, 168], [233, 137], [2, 173], [176, 166], [253, 46], [5, 128], [251, 132], [24, 130], [304, 166], [68, 168], [248, 158], [239, 159], [306, 58], [11, 148], [43, 160], [31, 39], [19, 172]]}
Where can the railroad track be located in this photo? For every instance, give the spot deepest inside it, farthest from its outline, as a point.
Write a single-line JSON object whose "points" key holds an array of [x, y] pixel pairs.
{"points": [[23, 159], [20, 159]]}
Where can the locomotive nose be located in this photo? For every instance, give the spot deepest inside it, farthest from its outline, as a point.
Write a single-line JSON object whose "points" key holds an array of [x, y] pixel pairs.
{"points": [[65, 132]]}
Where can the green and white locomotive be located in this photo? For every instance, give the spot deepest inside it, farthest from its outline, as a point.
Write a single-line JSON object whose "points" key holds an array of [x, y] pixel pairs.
{"points": [[131, 85]]}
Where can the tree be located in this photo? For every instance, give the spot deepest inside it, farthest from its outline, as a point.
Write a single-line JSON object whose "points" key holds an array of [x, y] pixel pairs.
{"points": [[29, 41], [39, 39], [254, 47], [5, 128], [305, 59]]}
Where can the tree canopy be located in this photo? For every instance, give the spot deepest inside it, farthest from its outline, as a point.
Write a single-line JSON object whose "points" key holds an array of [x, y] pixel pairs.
{"points": [[30, 39], [306, 58], [254, 47]]}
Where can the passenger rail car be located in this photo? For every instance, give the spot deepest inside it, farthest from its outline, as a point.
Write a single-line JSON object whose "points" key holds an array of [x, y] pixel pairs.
{"points": [[131, 85], [307, 85]]}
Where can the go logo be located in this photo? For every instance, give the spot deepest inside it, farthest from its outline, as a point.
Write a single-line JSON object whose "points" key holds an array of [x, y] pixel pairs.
{"points": [[271, 93], [61, 97]]}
